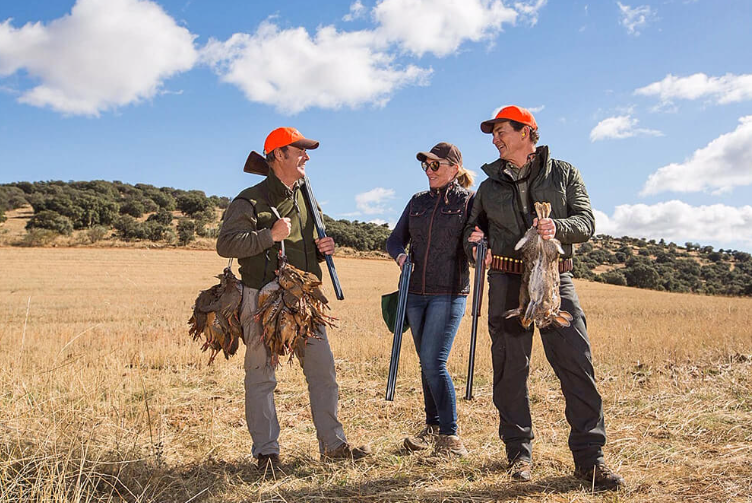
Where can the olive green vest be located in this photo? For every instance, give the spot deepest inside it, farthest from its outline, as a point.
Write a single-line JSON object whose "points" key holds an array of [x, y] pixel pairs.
{"points": [[300, 248]]}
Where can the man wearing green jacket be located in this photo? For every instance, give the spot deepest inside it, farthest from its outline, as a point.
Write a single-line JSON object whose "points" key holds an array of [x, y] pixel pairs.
{"points": [[254, 225], [503, 210]]}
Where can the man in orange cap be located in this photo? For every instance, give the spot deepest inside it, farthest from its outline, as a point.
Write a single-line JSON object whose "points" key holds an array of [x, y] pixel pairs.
{"points": [[503, 208], [253, 228]]}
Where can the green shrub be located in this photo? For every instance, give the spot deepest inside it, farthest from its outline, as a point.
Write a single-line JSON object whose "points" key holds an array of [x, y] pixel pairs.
{"points": [[186, 231], [614, 278], [39, 237], [51, 220], [133, 208], [129, 229], [154, 231], [162, 216]]}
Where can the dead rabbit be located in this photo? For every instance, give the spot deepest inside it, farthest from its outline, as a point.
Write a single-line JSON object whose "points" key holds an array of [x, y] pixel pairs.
{"points": [[539, 291]]}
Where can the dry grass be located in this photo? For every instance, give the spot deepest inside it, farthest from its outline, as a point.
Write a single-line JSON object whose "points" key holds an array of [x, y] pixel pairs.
{"points": [[103, 396]]}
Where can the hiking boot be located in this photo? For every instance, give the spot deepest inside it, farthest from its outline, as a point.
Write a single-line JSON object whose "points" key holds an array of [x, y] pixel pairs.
{"points": [[422, 440], [521, 469], [269, 462], [600, 477], [346, 451], [449, 446]]}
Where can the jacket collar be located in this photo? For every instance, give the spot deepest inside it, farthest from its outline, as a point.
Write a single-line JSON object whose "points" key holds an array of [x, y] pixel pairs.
{"points": [[445, 189], [278, 190], [495, 169]]}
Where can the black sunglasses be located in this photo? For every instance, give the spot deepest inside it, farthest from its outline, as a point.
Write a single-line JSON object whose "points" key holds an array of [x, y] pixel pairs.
{"points": [[434, 165]]}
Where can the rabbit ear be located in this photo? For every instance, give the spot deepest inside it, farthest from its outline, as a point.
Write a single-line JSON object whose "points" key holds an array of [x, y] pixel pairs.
{"points": [[539, 210], [562, 321], [522, 241]]}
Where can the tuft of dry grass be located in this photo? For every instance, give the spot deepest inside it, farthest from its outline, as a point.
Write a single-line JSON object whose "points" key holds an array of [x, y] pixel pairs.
{"points": [[105, 397]]}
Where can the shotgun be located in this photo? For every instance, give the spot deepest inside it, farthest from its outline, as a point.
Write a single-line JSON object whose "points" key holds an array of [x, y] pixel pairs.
{"points": [[480, 275], [313, 206], [257, 165], [404, 284]]}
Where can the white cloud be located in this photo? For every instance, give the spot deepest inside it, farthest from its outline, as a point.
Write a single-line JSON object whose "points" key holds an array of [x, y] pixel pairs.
{"points": [[723, 164], [535, 110], [374, 201], [103, 55], [729, 88], [635, 18], [440, 26], [357, 11], [622, 126], [293, 71], [529, 10], [679, 222]]}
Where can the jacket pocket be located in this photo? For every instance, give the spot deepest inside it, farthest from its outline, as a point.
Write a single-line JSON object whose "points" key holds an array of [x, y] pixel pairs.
{"points": [[451, 211]]}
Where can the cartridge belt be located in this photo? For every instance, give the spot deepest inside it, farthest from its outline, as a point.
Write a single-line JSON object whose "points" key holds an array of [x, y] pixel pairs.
{"points": [[515, 265]]}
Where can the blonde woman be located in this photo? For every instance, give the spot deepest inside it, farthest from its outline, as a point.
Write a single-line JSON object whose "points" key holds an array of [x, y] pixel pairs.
{"points": [[432, 224]]}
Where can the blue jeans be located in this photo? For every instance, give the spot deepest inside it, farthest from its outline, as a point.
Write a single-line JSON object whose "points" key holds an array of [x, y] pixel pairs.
{"points": [[434, 320]]}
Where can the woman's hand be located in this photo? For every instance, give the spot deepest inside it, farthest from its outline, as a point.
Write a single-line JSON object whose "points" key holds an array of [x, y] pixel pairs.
{"points": [[401, 260]]}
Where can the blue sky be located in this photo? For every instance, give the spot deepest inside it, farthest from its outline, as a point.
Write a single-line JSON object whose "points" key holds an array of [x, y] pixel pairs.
{"points": [[652, 101]]}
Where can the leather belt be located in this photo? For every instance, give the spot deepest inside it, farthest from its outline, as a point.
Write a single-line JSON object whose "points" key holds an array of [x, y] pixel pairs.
{"points": [[515, 265]]}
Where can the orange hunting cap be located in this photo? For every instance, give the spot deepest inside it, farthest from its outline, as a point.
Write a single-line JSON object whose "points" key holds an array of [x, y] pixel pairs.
{"points": [[283, 136], [513, 113]]}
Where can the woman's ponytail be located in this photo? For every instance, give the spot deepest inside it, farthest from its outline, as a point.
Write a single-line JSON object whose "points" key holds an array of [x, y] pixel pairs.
{"points": [[464, 177]]}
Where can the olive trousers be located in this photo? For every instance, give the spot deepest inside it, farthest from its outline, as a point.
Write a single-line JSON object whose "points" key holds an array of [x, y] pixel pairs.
{"points": [[260, 382], [568, 352]]}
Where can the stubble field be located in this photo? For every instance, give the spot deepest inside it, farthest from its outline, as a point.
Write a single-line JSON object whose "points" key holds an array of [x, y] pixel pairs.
{"points": [[104, 397]]}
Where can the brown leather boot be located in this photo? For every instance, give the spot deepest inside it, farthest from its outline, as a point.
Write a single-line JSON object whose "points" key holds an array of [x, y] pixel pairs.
{"points": [[521, 469], [269, 464], [346, 451], [600, 477], [449, 446], [423, 440]]}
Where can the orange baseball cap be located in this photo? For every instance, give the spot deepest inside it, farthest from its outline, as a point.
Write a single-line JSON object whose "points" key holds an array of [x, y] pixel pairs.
{"points": [[512, 112], [283, 136]]}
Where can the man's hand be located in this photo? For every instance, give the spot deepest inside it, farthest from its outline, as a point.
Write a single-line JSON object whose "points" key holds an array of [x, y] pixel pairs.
{"points": [[475, 237], [546, 228], [325, 245], [281, 229]]}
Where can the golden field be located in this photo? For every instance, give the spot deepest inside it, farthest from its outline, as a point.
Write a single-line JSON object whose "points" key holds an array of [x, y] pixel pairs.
{"points": [[104, 396]]}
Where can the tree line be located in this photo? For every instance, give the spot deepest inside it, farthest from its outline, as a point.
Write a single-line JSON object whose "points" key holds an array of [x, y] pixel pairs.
{"points": [[665, 266], [164, 214], [99, 206], [172, 215]]}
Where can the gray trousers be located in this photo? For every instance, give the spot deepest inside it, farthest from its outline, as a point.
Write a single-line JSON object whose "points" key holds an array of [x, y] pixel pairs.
{"points": [[568, 352], [260, 381]]}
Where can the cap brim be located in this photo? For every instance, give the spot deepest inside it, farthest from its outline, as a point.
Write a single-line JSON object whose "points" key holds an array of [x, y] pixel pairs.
{"points": [[306, 144], [487, 126], [422, 156], [256, 164]]}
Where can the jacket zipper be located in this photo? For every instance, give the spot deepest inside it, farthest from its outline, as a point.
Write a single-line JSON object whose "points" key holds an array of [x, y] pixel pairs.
{"points": [[428, 247], [300, 223]]}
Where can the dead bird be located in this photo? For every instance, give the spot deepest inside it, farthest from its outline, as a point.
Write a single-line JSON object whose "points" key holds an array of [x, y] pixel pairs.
{"points": [[540, 301], [216, 316]]}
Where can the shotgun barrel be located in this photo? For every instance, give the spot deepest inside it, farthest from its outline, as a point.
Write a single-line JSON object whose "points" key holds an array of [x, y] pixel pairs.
{"points": [[313, 207], [480, 275], [404, 285]]}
